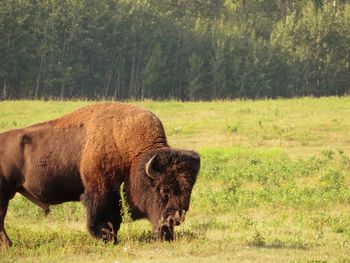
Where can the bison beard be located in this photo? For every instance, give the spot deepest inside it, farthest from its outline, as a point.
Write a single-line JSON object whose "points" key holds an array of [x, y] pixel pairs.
{"points": [[86, 155]]}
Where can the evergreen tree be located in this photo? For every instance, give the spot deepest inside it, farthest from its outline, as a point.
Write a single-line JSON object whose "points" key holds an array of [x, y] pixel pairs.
{"points": [[174, 49]]}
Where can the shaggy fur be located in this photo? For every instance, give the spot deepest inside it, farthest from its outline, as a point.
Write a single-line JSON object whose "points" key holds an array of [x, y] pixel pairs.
{"points": [[86, 155]]}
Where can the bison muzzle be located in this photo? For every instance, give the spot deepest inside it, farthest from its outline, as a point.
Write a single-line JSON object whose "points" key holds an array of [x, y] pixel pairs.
{"points": [[86, 156]]}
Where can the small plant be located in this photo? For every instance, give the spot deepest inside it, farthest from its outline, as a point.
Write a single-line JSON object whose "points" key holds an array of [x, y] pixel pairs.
{"points": [[245, 110], [125, 213], [233, 185], [257, 240], [247, 221], [234, 128], [343, 158], [328, 154], [333, 179], [304, 138], [176, 130]]}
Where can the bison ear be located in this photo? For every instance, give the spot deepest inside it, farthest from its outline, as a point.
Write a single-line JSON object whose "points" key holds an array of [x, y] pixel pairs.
{"points": [[196, 161], [150, 171]]}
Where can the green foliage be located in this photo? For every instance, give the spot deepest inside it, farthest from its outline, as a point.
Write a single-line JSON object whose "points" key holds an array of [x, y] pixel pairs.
{"points": [[186, 50], [314, 41], [252, 179]]}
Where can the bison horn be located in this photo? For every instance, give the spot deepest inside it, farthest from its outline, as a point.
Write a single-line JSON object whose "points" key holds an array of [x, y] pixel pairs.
{"points": [[153, 174]]}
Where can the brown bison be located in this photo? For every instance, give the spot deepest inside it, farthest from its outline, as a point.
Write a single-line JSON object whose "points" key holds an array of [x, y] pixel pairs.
{"points": [[86, 155]]}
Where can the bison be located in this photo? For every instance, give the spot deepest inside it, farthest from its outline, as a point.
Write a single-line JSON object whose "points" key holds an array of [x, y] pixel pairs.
{"points": [[86, 155]]}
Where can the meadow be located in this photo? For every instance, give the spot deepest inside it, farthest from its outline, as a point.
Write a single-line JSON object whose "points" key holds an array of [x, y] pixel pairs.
{"points": [[273, 187]]}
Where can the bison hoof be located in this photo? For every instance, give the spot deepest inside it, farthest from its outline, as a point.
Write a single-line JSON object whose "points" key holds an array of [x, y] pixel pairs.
{"points": [[166, 233], [108, 235], [5, 244], [47, 211]]}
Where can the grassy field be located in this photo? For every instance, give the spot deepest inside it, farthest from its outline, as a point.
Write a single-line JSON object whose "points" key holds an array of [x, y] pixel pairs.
{"points": [[274, 187]]}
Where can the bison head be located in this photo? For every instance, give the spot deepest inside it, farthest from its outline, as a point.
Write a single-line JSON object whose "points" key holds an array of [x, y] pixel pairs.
{"points": [[169, 176]]}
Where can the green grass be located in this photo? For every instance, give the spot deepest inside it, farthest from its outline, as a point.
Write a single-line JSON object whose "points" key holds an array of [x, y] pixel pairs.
{"points": [[274, 187]]}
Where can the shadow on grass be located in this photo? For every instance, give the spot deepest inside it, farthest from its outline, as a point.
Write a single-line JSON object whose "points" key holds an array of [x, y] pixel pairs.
{"points": [[277, 244], [147, 236]]}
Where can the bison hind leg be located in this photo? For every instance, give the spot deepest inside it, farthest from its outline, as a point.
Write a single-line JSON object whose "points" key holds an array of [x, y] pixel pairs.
{"points": [[6, 193], [103, 215]]}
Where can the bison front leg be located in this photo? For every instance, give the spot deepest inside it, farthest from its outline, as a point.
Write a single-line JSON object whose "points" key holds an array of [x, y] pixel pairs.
{"points": [[103, 215], [5, 195], [101, 193]]}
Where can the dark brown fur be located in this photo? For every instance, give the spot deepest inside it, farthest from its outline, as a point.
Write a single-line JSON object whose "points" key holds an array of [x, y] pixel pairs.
{"points": [[86, 155]]}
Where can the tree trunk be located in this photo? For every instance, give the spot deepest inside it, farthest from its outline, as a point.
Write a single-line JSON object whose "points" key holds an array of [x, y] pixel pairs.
{"points": [[132, 76], [44, 43], [38, 79], [4, 91], [9, 33]]}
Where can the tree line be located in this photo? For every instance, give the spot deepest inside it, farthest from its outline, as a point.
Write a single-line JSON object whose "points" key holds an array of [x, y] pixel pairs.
{"points": [[174, 49]]}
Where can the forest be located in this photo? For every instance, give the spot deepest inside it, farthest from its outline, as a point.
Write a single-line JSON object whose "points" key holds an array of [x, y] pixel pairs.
{"points": [[174, 49]]}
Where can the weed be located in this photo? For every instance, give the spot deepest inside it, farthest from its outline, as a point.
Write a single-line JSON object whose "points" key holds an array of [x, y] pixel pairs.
{"points": [[126, 215], [257, 239], [175, 130], [234, 128], [125, 211]]}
